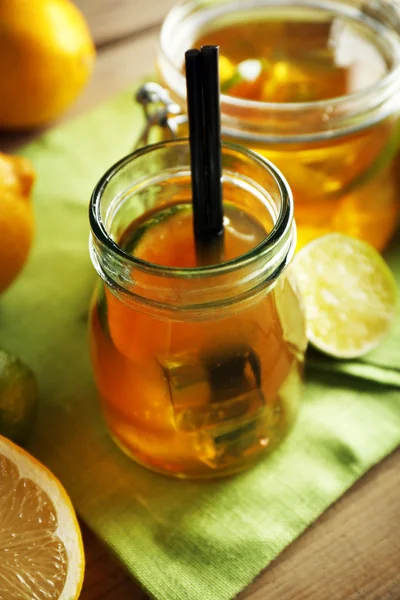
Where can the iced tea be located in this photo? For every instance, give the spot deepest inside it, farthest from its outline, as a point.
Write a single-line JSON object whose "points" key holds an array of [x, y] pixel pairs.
{"points": [[198, 381]]}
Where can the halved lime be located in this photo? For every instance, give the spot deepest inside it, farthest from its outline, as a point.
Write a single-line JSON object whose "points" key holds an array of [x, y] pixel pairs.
{"points": [[349, 292]]}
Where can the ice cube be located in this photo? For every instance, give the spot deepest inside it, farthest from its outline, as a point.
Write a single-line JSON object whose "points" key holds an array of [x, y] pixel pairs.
{"points": [[214, 388], [221, 448]]}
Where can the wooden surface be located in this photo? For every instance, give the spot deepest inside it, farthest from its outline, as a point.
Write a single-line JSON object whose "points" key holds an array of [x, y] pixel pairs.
{"points": [[353, 551]]}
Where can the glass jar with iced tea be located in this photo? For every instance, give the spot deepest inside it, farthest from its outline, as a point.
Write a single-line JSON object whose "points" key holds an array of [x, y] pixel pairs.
{"points": [[199, 367], [314, 85]]}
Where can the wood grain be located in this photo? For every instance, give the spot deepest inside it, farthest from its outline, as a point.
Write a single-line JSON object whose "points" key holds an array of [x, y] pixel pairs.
{"points": [[111, 20]]}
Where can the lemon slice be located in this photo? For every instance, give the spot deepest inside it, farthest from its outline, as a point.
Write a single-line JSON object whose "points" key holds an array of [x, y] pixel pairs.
{"points": [[349, 294], [41, 552]]}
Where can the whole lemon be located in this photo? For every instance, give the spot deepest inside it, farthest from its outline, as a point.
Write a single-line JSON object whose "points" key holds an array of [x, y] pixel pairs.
{"points": [[46, 57], [16, 216]]}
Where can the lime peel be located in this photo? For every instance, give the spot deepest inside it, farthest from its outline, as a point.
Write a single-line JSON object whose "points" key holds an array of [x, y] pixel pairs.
{"points": [[349, 292]]}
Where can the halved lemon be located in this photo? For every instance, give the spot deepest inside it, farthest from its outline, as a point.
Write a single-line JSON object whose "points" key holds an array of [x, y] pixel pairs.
{"points": [[41, 551], [349, 292]]}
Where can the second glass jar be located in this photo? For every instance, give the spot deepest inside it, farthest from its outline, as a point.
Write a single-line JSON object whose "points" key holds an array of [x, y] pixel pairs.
{"points": [[340, 154]]}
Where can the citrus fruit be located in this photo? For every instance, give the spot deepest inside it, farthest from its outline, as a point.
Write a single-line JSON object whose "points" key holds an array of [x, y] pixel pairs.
{"points": [[16, 215], [41, 552], [18, 398], [349, 294], [46, 57], [245, 80]]}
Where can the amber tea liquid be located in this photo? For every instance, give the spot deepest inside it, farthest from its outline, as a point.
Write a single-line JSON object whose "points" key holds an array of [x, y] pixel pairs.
{"points": [[200, 396], [347, 182]]}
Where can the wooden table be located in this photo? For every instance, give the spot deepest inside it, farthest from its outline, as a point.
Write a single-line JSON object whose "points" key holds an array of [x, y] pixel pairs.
{"points": [[353, 551]]}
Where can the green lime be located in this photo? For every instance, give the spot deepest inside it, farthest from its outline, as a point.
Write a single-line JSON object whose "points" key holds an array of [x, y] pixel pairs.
{"points": [[349, 293], [18, 398]]}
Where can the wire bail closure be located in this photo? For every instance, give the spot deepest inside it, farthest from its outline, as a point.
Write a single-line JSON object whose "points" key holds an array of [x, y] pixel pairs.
{"points": [[159, 111]]}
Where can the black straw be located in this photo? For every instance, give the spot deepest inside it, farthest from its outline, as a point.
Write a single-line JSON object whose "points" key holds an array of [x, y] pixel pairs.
{"points": [[194, 87], [212, 122], [202, 80]]}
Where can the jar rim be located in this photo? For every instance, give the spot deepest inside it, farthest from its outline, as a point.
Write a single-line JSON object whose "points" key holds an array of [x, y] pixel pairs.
{"points": [[281, 231], [363, 100]]}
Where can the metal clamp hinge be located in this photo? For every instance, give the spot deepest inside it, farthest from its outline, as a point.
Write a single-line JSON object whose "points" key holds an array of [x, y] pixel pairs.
{"points": [[159, 110]]}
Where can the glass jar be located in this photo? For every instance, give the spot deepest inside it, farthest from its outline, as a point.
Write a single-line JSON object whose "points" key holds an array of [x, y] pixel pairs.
{"points": [[199, 369], [340, 155]]}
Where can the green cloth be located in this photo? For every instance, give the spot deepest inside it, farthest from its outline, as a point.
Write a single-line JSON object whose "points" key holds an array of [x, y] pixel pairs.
{"points": [[203, 541]]}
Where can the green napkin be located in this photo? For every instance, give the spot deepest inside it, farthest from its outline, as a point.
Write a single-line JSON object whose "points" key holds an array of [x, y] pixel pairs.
{"points": [[203, 541]]}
